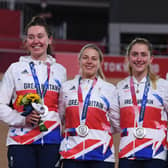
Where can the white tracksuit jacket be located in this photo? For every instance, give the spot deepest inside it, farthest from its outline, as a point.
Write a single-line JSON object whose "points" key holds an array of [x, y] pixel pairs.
{"points": [[153, 145], [18, 80], [103, 107]]}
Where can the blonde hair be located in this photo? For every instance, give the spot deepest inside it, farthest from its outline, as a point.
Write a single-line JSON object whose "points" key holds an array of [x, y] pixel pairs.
{"points": [[153, 77], [95, 47]]}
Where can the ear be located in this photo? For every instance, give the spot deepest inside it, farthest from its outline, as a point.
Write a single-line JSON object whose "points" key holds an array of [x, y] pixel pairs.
{"points": [[24, 42], [151, 58], [101, 63], [50, 40]]}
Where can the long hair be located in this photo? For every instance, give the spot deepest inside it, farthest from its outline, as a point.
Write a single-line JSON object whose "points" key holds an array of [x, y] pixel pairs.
{"points": [[95, 47], [40, 21], [153, 77]]}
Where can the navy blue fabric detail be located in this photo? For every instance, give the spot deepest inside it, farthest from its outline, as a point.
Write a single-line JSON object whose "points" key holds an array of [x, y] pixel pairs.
{"points": [[54, 137], [33, 156]]}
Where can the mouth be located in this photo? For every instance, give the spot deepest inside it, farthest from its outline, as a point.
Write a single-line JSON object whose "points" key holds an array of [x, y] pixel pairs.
{"points": [[37, 46], [138, 64], [89, 67]]}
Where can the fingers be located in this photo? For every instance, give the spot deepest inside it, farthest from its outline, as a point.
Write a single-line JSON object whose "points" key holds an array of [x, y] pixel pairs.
{"points": [[33, 118], [34, 112]]}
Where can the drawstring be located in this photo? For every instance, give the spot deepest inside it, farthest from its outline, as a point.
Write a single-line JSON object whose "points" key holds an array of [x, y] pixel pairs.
{"points": [[11, 161]]}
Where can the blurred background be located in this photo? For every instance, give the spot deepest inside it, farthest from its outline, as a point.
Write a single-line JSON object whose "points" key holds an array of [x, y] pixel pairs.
{"points": [[111, 24]]}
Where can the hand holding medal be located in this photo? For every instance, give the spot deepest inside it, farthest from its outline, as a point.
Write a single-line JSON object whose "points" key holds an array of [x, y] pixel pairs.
{"points": [[42, 110]]}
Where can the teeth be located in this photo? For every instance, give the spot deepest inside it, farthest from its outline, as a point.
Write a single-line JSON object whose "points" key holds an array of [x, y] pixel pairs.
{"points": [[138, 64], [36, 47]]}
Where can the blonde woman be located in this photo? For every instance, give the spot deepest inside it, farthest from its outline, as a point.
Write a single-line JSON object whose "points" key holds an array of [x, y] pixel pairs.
{"points": [[143, 99], [88, 105]]}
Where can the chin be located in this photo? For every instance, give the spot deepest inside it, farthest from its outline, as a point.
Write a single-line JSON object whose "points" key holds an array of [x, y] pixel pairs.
{"points": [[140, 69], [37, 55]]}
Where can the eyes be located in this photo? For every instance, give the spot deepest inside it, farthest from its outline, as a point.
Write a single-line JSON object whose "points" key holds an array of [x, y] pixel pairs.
{"points": [[32, 37], [136, 54], [91, 58]]}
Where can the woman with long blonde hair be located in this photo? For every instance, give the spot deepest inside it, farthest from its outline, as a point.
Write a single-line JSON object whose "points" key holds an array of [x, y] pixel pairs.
{"points": [[88, 108], [143, 99]]}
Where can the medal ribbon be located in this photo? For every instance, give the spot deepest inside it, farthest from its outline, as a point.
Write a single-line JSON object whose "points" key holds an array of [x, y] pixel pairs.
{"points": [[42, 91], [144, 99], [84, 106]]}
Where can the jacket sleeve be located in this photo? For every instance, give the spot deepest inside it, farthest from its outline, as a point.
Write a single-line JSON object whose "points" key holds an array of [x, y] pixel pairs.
{"points": [[114, 113], [7, 91], [61, 106], [162, 88], [165, 101]]}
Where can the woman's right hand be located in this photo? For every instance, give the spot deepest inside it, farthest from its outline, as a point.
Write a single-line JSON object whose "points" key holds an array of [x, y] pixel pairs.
{"points": [[33, 118]]}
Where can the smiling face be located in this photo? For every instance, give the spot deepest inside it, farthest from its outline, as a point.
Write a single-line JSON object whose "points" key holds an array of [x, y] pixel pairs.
{"points": [[139, 59], [89, 63], [37, 42]]}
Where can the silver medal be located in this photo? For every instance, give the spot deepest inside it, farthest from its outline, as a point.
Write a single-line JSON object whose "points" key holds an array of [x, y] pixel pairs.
{"points": [[139, 132], [42, 109], [82, 130]]}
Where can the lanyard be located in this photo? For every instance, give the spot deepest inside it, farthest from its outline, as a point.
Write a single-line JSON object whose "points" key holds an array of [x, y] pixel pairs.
{"points": [[144, 99], [84, 106], [36, 80]]}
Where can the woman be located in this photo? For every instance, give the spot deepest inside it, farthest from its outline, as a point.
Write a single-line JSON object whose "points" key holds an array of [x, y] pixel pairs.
{"points": [[143, 101], [87, 104], [39, 75]]}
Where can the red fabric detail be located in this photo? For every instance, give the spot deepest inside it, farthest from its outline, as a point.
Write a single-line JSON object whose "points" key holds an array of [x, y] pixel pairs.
{"points": [[96, 118], [70, 154], [152, 118], [25, 139]]}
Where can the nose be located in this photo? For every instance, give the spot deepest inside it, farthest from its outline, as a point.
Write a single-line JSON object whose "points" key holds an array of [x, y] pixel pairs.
{"points": [[139, 57], [89, 60], [35, 40]]}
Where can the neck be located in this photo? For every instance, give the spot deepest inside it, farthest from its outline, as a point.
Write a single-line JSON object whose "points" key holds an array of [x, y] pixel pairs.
{"points": [[39, 58], [139, 76]]}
